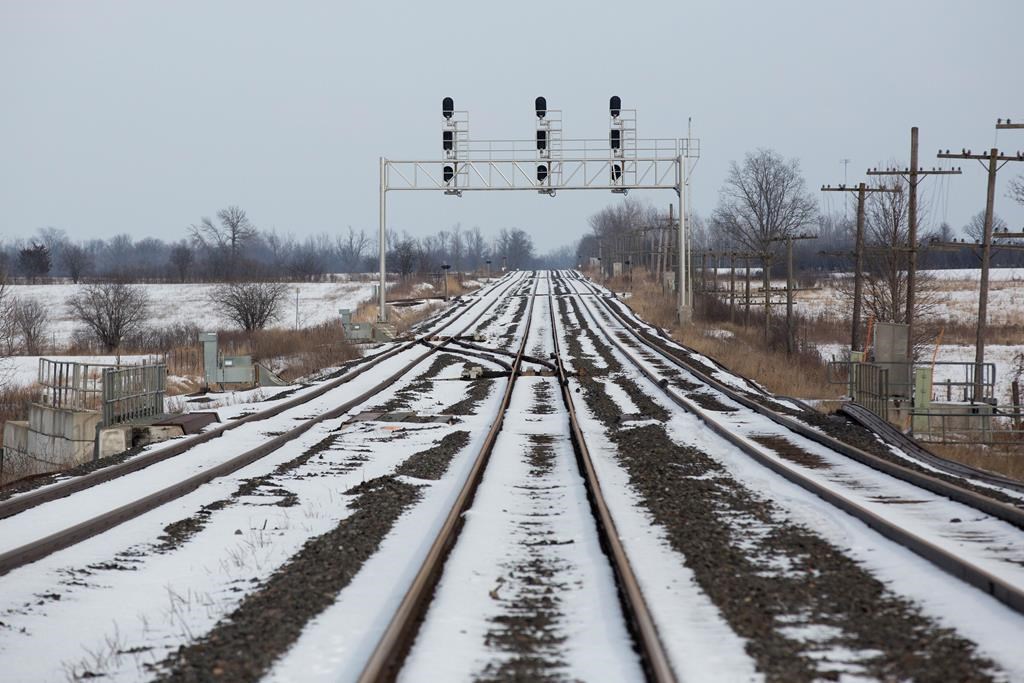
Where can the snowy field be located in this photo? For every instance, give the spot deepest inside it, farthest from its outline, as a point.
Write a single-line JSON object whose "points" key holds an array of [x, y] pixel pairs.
{"points": [[956, 298], [190, 303]]}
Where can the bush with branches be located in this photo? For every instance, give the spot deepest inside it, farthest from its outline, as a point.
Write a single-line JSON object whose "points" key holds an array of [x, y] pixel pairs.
{"points": [[110, 311], [250, 305]]}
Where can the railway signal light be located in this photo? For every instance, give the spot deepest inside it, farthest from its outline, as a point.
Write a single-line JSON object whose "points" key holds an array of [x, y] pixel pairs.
{"points": [[615, 138], [616, 172], [541, 106], [449, 173], [542, 172], [448, 107], [447, 140], [542, 139], [615, 106]]}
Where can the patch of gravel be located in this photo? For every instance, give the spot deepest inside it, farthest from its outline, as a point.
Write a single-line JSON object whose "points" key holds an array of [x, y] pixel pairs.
{"points": [[433, 462], [841, 427], [177, 533], [245, 644], [422, 384], [479, 390], [791, 594]]}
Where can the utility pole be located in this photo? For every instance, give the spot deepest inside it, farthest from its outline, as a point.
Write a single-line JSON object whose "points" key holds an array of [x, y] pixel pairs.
{"points": [[790, 337], [858, 253], [912, 174], [995, 161]]}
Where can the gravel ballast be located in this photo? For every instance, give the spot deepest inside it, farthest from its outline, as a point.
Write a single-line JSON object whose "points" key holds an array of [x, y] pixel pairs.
{"points": [[808, 611]]}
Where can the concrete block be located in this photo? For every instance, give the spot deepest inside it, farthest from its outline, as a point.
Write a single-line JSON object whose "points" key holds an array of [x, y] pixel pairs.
{"points": [[16, 435], [75, 425], [115, 439], [58, 450], [147, 434]]}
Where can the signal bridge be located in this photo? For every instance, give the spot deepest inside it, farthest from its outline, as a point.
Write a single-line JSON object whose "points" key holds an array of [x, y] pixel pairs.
{"points": [[546, 164]]}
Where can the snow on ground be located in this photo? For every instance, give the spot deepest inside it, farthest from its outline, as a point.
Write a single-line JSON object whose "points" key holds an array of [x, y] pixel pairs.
{"points": [[946, 599], [189, 303], [523, 505], [957, 298]]}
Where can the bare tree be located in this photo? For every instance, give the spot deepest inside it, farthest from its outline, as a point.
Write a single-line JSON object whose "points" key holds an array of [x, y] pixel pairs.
{"points": [[762, 201], [30, 319], [1016, 192], [515, 248], [351, 249], [76, 260], [181, 260], [405, 253], [975, 228], [250, 305], [111, 311], [226, 239], [34, 261]]}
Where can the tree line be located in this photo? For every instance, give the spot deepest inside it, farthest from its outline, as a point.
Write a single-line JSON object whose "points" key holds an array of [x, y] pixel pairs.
{"points": [[764, 199], [230, 247]]}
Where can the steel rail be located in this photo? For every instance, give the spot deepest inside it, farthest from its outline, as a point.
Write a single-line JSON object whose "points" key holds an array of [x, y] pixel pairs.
{"points": [[40, 548], [387, 657], [1006, 512], [23, 502], [1008, 594], [651, 650]]}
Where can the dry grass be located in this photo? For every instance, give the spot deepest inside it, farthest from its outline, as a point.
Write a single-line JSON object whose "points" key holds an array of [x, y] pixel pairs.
{"points": [[303, 351], [741, 349], [1009, 463], [14, 405]]}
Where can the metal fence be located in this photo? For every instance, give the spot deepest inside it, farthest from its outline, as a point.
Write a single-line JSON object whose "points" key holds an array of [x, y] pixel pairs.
{"points": [[901, 379], [132, 393], [871, 388], [71, 385], [977, 424]]}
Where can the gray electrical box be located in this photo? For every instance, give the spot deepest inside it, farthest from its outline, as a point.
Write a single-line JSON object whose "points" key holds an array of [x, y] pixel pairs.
{"points": [[354, 331], [228, 370]]}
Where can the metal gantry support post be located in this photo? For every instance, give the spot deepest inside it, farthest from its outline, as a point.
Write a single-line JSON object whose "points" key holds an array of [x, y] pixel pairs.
{"points": [[683, 306], [382, 313]]}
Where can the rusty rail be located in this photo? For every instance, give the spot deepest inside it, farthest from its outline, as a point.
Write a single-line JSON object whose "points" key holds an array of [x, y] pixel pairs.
{"points": [[43, 547]]}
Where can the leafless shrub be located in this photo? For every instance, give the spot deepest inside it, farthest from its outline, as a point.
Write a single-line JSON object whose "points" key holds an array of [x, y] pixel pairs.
{"points": [[31, 320], [111, 311], [250, 305]]}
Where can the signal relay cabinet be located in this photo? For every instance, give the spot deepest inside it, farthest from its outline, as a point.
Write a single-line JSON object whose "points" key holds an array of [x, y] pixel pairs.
{"points": [[227, 371]]}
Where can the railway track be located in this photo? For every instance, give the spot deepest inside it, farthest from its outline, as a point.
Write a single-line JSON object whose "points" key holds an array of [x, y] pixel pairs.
{"points": [[389, 656], [63, 535], [531, 558], [890, 499]]}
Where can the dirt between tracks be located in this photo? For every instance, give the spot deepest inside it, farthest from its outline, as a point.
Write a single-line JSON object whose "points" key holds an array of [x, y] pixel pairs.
{"points": [[807, 611], [244, 645]]}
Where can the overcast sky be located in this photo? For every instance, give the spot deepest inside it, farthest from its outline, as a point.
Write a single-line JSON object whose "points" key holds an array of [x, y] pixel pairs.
{"points": [[142, 117]]}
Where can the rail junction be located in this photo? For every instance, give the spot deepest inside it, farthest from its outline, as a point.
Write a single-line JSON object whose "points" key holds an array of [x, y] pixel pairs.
{"points": [[535, 485]]}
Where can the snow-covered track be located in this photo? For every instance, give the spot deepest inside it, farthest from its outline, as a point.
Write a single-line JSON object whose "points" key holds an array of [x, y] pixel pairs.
{"points": [[390, 655], [980, 543], [75, 532]]}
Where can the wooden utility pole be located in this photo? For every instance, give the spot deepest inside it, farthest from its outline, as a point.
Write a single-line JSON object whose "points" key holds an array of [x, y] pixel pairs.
{"points": [[912, 174], [862, 191], [790, 287], [995, 161], [732, 287]]}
